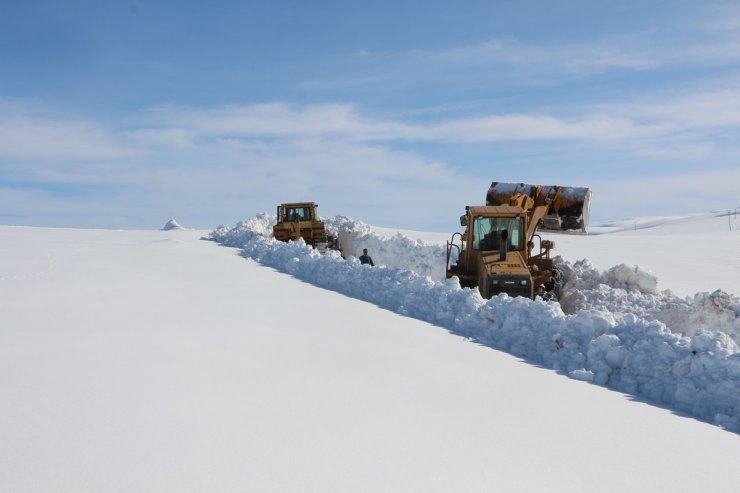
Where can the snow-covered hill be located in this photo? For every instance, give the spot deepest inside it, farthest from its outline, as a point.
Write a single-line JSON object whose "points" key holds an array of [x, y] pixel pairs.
{"points": [[155, 361]]}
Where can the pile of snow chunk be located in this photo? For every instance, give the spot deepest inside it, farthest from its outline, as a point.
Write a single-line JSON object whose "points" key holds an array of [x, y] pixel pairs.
{"points": [[628, 277], [397, 252], [259, 225], [171, 224], [697, 375], [631, 290]]}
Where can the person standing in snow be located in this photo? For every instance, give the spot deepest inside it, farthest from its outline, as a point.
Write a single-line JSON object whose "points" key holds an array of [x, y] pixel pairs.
{"points": [[365, 258]]}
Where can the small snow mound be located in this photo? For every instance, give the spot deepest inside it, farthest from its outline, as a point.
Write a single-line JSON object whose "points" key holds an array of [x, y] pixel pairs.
{"points": [[633, 277], [245, 231], [171, 224]]}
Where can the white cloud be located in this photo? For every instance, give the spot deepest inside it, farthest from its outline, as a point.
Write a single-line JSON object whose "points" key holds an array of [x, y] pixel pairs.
{"points": [[582, 58], [704, 109], [228, 163], [231, 162], [540, 127], [233, 131], [678, 193], [28, 135], [711, 39], [150, 138], [344, 122], [244, 129], [277, 120]]}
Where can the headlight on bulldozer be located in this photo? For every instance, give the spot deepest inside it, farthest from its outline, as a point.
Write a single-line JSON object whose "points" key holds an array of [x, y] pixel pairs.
{"points": [[524, 282]]}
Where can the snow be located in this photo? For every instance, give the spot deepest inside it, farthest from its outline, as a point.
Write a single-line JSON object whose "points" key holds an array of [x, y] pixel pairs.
{"points": [[155, 361], [691, 254], [171, 224], [601, 339]]}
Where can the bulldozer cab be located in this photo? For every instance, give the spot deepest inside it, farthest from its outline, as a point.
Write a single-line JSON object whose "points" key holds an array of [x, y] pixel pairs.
{"points": [[295, 212], [487, 233]]}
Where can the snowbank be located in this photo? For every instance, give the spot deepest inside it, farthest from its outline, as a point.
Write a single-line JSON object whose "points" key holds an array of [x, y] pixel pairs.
{"points": [[629, 289], [398, 252], [698, 375]]}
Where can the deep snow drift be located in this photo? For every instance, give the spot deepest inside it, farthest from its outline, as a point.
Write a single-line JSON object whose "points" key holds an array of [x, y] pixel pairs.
{"points": [[619, 331]]}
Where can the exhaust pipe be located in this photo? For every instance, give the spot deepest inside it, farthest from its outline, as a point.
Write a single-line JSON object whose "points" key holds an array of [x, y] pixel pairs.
{"points": [[504, 245]]}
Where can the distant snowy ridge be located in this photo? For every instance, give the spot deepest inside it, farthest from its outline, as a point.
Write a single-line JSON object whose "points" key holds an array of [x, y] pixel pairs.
{"points": [[662, 221], [698, 375]]}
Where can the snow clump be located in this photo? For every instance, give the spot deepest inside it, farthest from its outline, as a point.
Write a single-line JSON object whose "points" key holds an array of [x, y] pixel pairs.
{"points": [[171, 224], [631, 290]]}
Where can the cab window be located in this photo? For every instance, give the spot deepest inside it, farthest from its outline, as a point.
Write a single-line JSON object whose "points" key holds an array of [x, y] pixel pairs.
{"points": [[297, 214], [487, 233]]}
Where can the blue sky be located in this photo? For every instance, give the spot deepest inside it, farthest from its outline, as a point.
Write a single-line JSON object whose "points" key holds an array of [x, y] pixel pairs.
{"points": [[124, 114]]}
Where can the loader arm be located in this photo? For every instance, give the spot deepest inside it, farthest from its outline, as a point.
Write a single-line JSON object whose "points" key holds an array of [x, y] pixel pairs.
{"points": [[538, 213]]}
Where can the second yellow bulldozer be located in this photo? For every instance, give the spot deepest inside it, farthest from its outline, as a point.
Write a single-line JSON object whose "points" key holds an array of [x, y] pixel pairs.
{"points": [[300, 220]]}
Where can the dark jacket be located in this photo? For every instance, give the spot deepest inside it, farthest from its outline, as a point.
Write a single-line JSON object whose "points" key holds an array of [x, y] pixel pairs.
{"points": [[366, 259]]}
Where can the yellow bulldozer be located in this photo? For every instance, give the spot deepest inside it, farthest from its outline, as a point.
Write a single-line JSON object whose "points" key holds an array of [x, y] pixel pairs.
{"points": [[300, 220], [501, 250]]}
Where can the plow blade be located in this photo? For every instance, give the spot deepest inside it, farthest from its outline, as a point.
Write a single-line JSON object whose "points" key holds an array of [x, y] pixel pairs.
{"points": [[569, 207]]}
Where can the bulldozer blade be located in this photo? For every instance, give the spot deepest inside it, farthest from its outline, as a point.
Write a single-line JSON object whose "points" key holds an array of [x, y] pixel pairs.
{"points": [[569, 207]]}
